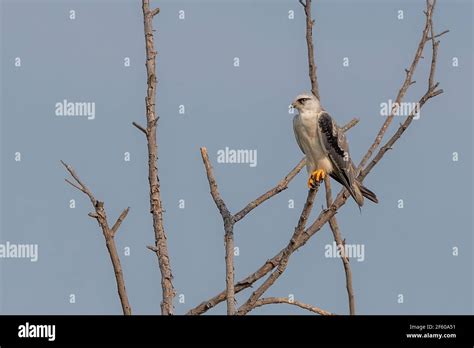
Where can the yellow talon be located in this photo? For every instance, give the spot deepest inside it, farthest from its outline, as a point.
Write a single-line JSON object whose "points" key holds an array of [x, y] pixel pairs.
{"points": [[315, 178]]}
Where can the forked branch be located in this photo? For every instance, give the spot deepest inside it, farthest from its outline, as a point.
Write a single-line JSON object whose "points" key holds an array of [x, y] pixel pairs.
{"points": [[109, 234], [229, 222]]}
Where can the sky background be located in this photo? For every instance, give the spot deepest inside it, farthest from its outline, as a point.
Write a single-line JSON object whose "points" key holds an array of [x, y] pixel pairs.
{"points": [[408, 251]]}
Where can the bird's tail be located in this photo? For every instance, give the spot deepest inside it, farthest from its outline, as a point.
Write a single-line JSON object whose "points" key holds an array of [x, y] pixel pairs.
{"points": [[359, 191]]}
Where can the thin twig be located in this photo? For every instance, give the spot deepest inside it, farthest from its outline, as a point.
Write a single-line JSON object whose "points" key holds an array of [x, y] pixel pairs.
{"points": [[140, 128], [156, 207], [229, 232], [155, 11], [282, 185], [438, 35], [101, 217], [119, 221], [75, 185], [275, 300], [81, 187], [350, 124]]}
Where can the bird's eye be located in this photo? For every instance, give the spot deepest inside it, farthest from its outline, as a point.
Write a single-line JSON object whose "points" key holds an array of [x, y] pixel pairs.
{"points": [[303, 100]]}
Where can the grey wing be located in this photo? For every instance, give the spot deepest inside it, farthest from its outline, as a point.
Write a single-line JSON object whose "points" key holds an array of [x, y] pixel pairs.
{"points": [[335, 143]]}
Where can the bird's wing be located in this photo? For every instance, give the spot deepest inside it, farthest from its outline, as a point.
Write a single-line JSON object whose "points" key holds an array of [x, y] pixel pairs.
{"points": [[335, 144]]}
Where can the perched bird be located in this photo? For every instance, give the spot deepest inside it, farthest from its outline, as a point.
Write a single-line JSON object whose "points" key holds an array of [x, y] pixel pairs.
{"points": [[326, 148]]}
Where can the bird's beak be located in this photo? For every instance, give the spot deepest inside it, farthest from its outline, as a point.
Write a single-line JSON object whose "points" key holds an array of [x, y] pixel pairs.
{"points": [[293, 105]]}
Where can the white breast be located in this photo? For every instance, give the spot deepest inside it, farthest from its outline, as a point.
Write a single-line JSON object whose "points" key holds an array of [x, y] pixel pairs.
{"points": [[305, 125]]}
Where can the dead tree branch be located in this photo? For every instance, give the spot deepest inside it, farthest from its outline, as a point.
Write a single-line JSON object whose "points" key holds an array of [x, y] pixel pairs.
{"points": [[140, 128], [275, 300], [343, 195], [229, 232], [350, 124], [438, 35], [431, 92], [309, 41], [282, 185], [406, 84], [109, 234], [156, 208]]}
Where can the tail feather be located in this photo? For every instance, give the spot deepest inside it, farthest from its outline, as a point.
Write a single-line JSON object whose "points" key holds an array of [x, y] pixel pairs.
{"points": [[368, 194], [356, 190], [359, 191]]}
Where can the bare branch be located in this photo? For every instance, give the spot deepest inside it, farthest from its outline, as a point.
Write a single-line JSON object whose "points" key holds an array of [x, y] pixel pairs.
{"points": [[434, 55], [229, 232], [309, 42], [282, 185], [438, 35], [403, 127], [406, 84], [275, 300], [75, 186], [155, 12], [101, 217], [152, 248], [156, 208], [350, 124], [140, 128], [430, 93], [213, 185], [341, 245], [81, 186], [119, 221]]}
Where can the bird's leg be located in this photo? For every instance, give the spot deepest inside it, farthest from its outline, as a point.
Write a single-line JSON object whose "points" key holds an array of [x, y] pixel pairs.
{"points": [[315, 178]]}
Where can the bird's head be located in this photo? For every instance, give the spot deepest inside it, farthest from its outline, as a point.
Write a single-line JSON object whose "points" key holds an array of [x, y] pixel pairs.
{"points": [[307, 102]]}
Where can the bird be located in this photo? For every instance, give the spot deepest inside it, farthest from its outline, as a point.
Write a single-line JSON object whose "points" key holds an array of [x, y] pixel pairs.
{"points": [[325, 146]]}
